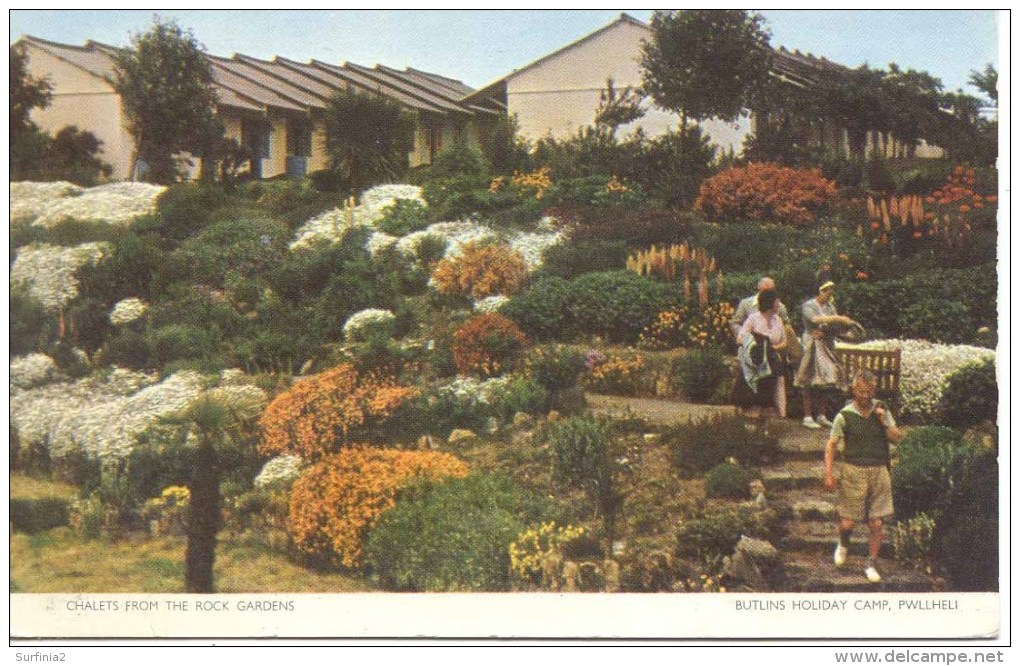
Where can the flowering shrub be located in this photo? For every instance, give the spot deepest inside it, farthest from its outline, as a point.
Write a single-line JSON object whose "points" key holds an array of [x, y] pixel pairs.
{"points": [[326, 412], [487, 345], [48, 204], [617, 376], [47, 272], [537, 182], [369, 324], [338, 500], [127, 311], [375, 203], [281, 470], [481, 271], [491, 303], [676, 261], [925, 369], [668, 331], [533, 545], [168, 512], [556, 367], [379, 241], [912, 540], [766, 193], [464, 402], [31, 370], [710, 327]]}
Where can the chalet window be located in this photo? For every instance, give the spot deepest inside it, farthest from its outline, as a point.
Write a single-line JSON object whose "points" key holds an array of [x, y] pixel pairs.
{"points": [[255, 137]]}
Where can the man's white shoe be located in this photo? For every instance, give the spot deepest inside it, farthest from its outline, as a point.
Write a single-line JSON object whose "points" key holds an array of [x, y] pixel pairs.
{"points": [[822, 421], [871, 573], [809, 422], [839, 557]]}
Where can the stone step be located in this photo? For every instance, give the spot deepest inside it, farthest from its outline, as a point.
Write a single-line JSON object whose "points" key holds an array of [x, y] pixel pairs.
{"points": [[819, 536], [795, 439], [793, 475], [818, 574], [803, 506]]}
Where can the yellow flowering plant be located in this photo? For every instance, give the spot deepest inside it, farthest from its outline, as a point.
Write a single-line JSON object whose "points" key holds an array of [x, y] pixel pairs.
{"points": [[534, 545]]}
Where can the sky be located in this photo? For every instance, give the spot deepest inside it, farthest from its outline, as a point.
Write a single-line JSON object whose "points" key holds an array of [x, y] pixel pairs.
{"points": [[479, 47]]}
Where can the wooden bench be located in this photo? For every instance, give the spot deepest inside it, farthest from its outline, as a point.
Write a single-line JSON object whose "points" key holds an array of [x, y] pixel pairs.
{"points": [[885, 365]]}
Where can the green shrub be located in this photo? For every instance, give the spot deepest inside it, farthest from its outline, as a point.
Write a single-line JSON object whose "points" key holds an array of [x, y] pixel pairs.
{"points": [[701, 373], [912, 540], [749, 246], [33, 516], [971, 396], [712, 535], [966, 539], [729, 480], [932, 460], [68, 233], [541, 310], [403, 217], [178, 342], [295, 201], [699, 445], [453, 536], [128, 349], [329, 181], [937, 320], [556, 367], [637, 227], [616, 305], [452, 198], [569, 260], [583, 458], [672, 166], [184, 209], [160, 460], [31, 327], [126, 270], [520, 394]]}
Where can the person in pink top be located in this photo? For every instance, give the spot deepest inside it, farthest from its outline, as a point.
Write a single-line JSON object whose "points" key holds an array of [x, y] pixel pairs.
{"points": [[762, 339]]}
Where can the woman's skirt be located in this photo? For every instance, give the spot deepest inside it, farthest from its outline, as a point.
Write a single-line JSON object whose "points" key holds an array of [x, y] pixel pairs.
{"points": [[819, 367]]}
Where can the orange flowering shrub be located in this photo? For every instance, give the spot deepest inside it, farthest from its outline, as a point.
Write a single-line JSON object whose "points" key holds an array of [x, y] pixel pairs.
{"points": [[766, 193], [337, 501], [325, 412], [618, 375], [668, 331], [535, 181], [481, 271], [487, 345]]}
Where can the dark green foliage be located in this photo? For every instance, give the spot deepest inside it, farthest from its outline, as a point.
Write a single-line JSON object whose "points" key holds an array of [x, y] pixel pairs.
{"points": [[69, 233], [26, 91], [403, 217], [237, 244], [971, 396], [452, 537], [33, 516], [88, 324], [158, 462], [293, 202], [368, 138], [706, 63], [699, 445], [617, 305], [329, 181], [747, 247], [556, 367], [183, 210], [673, 165], [966, 539], [730, 481], [520, 394], [126, 270], [541, 310], [713, 535], [457, 196], [571, 259], [31, 327], [165, 83], [456, 161], [879, 178], [503, 149], [128, 349], [700, 373], [176, 342], [69, 155], [937, 320], [638, 228], [933, 459]]}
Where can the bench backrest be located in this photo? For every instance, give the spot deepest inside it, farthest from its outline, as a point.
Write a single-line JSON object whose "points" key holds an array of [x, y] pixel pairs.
{"points": [[884, 364]]}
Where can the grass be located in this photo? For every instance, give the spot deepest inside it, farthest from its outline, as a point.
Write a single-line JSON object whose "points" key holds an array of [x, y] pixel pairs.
{"points": [[58, 561], [31, 488]]}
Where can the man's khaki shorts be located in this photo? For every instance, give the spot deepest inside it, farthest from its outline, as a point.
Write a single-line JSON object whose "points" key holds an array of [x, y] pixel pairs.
{"points": [[864, 492]]}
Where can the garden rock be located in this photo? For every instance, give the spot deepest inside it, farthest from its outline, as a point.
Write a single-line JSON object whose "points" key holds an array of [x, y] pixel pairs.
{"points": [[611, 573], [756, 563], [552, 567], [460, 435], [571, 577]]}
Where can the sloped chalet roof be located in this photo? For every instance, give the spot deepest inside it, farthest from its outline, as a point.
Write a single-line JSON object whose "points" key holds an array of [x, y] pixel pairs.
{"points": [[794, 67], [252, 84]]}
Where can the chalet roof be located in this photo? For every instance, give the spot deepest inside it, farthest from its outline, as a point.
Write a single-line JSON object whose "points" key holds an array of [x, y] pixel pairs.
{"points": [[253, 84]]}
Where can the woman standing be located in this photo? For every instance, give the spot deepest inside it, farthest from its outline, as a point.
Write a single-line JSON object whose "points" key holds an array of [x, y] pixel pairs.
{"points": [[762, 339], [819, 370]]}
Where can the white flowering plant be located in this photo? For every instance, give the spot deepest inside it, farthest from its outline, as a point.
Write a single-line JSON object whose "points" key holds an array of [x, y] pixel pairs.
{"points": [[925, 368], [47, 204], [491, 303], [370, 324], [31, 370], [47, 271], [127, 311], [279, 471], [333, 224]]}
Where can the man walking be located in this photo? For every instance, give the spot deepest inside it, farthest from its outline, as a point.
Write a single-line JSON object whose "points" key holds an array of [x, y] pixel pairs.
{"points": [[748, 305], [861, 434]]}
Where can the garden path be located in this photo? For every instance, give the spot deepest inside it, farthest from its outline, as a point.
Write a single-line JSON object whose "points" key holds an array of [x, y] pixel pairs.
{"points": [[794, 488]]}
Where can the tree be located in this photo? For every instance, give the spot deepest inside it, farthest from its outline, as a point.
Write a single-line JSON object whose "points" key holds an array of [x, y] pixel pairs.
{"points": [[706, 63], [618, 107], [368, 138], [166, 87], [28, 142], [986, 81]]}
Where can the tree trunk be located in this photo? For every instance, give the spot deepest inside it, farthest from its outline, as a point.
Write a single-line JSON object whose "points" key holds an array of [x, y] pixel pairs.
{"points": [[203, 518]]}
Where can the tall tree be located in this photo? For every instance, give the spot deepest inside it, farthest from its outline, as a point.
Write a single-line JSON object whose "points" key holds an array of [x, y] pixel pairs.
{"points": [[368, 138], [166, 87], [26, 91], [986, 81], [706, 63]]}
